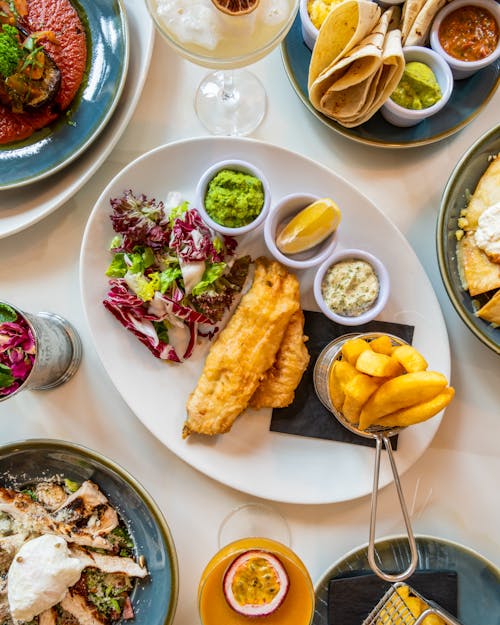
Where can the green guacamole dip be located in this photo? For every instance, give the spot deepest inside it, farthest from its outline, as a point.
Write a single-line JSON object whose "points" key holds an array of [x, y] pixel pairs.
{"points": [[418, 87], [234, 198]]}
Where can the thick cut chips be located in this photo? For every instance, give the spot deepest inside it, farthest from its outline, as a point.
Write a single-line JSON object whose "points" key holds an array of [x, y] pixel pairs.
{"points": [[401, 392], [381, 384]]}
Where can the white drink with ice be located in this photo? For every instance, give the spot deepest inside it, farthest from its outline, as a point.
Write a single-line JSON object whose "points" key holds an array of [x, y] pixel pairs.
{"points": [[209, 37]]}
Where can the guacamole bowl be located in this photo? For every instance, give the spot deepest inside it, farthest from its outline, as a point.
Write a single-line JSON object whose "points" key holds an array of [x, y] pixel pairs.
{"points": [[233, 197], [399, 115]]}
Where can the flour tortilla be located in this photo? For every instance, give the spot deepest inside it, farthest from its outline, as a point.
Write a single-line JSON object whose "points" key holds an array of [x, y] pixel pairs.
{"points": [[365, 59], [352, 76], [419, 31], [411, 8], [384, 83], [351, 90], [352, 73], [348, 102], [345, 26]]}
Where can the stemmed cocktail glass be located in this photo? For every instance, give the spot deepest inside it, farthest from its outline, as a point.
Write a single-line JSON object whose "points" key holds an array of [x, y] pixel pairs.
{"points": [[225, 35]]}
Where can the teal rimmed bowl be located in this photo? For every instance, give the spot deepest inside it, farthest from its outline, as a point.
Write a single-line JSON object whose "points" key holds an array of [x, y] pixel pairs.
{"points": [[461, 183], [52, 148], [154, 599], [478, 580]]}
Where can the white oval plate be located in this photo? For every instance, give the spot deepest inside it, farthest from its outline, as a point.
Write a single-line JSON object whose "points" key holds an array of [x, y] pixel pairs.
{"points": [[250, 458]]}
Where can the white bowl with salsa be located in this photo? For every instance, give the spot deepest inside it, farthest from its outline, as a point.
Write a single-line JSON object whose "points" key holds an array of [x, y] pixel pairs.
{"points": [[352, 287], [400, 115], [466, 33]]}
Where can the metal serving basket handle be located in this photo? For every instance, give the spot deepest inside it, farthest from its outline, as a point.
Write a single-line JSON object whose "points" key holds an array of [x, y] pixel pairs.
{"points": [[382, 439]]}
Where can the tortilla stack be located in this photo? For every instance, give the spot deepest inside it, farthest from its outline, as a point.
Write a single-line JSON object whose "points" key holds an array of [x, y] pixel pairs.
{"points": [[352, 76], [345, 26], [390, 73], [351, 89]]}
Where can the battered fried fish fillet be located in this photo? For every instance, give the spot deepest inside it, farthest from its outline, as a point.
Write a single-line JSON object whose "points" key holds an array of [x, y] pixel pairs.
{"points": [[245, 349], [277, 389]]}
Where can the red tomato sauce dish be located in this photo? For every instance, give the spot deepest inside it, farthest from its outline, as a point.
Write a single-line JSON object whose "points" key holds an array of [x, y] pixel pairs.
{"points": [[51, 56], [470, 33]]}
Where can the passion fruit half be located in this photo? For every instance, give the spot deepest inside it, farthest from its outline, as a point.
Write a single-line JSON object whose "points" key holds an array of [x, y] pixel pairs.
{"points": [[236, 7], [255, 583]]}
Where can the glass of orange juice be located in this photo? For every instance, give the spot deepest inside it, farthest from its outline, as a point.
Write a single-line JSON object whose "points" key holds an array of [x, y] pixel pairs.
{"points": [[255, 578]]}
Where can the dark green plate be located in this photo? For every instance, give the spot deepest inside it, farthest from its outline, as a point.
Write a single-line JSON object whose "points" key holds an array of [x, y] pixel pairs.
{"points": [[154, 599], [52, 148], [467, 100], [478, 580], [463, 180]]}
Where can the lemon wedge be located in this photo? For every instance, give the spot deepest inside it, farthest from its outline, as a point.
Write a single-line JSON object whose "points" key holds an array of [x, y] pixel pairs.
{"points": [[309, 227]]}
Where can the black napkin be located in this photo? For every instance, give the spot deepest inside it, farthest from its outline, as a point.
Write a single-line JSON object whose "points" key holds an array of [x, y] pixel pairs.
{"points": [[307, 416], [352, 598]]}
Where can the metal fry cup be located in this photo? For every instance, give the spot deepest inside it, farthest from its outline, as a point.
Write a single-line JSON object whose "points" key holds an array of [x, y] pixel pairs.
{"points": [[57, 352]]}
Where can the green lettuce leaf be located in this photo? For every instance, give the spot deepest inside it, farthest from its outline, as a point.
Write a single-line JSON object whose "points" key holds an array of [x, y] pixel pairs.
{"points": [[210, 275]]}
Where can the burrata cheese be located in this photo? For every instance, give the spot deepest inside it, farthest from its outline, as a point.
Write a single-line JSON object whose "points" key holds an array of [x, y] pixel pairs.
{"points": [[487, 234], [39, 576]]}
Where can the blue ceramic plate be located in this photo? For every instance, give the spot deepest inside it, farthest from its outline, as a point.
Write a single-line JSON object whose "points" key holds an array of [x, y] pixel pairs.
{"points": [[478, 580], [468, 98], [463, 180], [154, 599], [52, 148]]}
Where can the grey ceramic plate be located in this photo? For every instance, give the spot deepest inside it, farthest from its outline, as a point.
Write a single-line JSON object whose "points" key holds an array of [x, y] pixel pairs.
{"points": [[468, 98], [478, 579], [154, 599], [462, 181], [52, 148]]}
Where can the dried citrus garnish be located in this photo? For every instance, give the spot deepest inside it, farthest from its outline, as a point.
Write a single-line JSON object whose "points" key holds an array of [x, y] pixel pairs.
{"points": [[236, 7]]}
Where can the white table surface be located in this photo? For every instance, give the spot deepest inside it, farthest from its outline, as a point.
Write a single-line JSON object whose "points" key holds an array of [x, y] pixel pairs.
{"points": [[452, 489]]}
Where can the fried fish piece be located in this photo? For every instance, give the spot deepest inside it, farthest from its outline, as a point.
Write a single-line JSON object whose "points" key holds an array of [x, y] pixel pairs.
{"points": [[245, 349], [277, 389]]}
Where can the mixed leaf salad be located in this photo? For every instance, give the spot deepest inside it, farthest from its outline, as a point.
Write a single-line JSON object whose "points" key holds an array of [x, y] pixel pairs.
{"points": [[172, 278], [17, 350]]}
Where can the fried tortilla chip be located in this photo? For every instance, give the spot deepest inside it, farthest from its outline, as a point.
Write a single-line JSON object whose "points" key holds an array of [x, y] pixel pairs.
{"points": [[479, 273], [244, 350], [486, 194], [277, 389], [491, 310]]}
